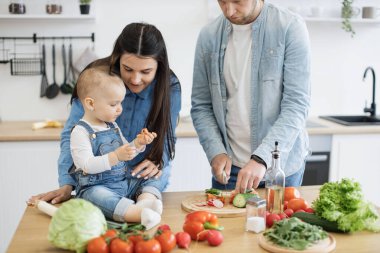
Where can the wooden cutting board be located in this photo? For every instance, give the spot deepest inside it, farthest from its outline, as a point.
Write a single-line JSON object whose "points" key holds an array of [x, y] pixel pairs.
{"points": [[198, 203], [324, 246]]}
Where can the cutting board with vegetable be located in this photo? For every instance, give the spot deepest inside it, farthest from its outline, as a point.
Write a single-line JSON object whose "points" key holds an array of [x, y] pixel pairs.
{"points": [[326, 245], [198, 203]]}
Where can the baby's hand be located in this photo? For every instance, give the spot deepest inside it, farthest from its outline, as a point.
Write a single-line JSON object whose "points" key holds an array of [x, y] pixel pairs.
{"points": [[145, 137], [125, 152]]}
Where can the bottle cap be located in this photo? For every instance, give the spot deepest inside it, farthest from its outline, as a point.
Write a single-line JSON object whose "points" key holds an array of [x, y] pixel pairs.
{"points": [[256, 201]]}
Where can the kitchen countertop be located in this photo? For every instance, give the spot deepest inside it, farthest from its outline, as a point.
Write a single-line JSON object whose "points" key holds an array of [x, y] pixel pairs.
{"points": [[22, 130], [31, 234]]}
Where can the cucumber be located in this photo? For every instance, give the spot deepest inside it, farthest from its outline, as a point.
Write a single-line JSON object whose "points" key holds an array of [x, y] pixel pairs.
{"points": [[313, 219], [240, 200]]}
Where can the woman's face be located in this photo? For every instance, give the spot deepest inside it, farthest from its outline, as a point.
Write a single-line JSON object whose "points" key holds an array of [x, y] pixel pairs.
{"points": [[137, 72]]}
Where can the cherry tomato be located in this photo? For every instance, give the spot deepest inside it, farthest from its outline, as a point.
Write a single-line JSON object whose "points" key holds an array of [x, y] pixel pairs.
{"points": [[166, 239], [285, 205], [135, 238], [289, 212], [291, 193], [97, 245], [282, 216], [110, 233], [148, 246], [297, 204], [119, 246], [271, 218], [164, 227]]}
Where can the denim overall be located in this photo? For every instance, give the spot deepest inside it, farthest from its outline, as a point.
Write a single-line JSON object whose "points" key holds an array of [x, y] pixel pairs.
{"points": [[112, 190]]}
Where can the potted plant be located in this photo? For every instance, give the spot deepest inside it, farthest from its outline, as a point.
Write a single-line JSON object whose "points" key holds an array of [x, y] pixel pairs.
{"points": [[347, 13], [84, 6]]}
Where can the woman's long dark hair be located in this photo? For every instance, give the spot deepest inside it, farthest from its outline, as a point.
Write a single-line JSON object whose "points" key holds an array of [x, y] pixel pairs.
{"points": [[146, 40]]}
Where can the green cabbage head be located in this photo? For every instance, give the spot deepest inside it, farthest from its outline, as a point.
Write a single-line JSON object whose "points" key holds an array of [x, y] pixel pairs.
{"points": [[75, 223]]}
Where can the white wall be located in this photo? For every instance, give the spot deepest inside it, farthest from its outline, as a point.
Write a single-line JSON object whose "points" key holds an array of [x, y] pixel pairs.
{"points": [[338, 61]]}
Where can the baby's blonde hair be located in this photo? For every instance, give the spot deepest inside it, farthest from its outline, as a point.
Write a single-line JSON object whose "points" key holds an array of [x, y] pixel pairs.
{"points": [[93, 79]]}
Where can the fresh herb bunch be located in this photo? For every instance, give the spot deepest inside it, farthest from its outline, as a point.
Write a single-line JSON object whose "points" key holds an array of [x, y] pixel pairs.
{"points": [[346, 15], [85, 1], [343, 203], [294, 233]]}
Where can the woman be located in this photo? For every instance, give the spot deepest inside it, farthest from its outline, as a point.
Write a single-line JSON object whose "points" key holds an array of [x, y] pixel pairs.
{"points": [[153, 100]]}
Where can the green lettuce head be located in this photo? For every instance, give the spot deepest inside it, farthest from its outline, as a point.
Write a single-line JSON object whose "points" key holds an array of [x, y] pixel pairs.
{"points": [[75, 223]]}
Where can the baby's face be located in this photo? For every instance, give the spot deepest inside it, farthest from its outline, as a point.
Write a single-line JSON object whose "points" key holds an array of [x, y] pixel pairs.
{"points": [[137, 73], [107, 101]]}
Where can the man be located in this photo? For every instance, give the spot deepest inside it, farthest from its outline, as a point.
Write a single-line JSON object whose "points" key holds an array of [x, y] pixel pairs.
{"points": [[251, 88]]}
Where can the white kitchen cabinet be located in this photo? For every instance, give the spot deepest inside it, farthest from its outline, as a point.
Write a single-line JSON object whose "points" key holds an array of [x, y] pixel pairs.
{"points": [[358, 157], [26, 169], [191, 170]]}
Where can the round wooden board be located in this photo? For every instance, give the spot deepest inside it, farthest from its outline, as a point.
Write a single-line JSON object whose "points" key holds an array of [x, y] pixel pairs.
{"points": [[324, 246], [194, 203]]}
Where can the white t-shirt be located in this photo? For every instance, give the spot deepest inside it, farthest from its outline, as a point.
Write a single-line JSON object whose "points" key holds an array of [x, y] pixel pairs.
{"points": [[81, 150], [237, 74]]}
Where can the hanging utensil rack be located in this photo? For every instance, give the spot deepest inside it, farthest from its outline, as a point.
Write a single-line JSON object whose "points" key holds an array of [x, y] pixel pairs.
{"points": [[32, 64]]}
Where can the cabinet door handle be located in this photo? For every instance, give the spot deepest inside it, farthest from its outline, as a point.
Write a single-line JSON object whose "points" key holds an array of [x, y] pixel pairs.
{"points": [[317, 158]]}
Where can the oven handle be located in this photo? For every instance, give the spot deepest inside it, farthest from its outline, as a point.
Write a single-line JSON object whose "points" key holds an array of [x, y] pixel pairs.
{"points": [[317, 158]]}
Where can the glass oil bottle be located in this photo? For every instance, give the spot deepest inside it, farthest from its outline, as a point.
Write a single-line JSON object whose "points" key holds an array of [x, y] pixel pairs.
{"points": [[275, 184]]}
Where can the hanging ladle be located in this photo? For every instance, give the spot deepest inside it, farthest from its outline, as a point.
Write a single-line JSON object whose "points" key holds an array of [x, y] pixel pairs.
{"points": [[65, 87], [53, 89]]}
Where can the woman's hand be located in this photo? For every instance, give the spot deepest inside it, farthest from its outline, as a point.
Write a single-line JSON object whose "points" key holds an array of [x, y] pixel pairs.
{"points": [[57, 196], [148, 168]]}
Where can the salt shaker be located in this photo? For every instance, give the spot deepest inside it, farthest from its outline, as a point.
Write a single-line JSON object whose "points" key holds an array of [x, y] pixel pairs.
{"points": [[256, 213]]}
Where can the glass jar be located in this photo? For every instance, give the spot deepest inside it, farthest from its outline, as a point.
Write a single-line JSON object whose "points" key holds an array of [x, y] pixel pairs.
{"points": [[256, 213], [53, 7], [17, 7]]}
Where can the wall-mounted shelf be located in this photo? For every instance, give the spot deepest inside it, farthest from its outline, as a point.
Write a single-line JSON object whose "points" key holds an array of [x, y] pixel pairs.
{"points": [[339, 20], [46, 17]]}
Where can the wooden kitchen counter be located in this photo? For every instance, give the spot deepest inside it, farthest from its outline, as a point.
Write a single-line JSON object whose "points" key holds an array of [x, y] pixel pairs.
{"points": [[31, 234], [22, 130]]}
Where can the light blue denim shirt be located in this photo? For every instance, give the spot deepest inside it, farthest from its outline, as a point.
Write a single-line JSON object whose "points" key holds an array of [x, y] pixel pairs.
{"points": [[136, 108], [280, 87]]}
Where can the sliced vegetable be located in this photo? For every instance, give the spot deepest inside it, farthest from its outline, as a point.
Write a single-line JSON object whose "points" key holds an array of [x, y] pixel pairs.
{"points": [[240, 199], [216, 203]]}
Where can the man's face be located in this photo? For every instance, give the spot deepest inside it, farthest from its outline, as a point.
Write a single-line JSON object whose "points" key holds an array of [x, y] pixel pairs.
{"points": [[238, 12]]}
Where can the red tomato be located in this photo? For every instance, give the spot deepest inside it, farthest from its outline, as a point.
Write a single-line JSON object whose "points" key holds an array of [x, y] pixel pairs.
{"points": [[289, 212], [135, 238], [283, 216], [300, 211], [285, 205], [166, 239], [119, 246], [110, 233], [297, 204], [271, 218], [183, 240], [291, 193], [97, 245], [148, 246], [164, 227]]}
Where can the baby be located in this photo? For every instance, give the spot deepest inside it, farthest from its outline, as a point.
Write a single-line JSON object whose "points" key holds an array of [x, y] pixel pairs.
{"points": [[100, 152]]}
